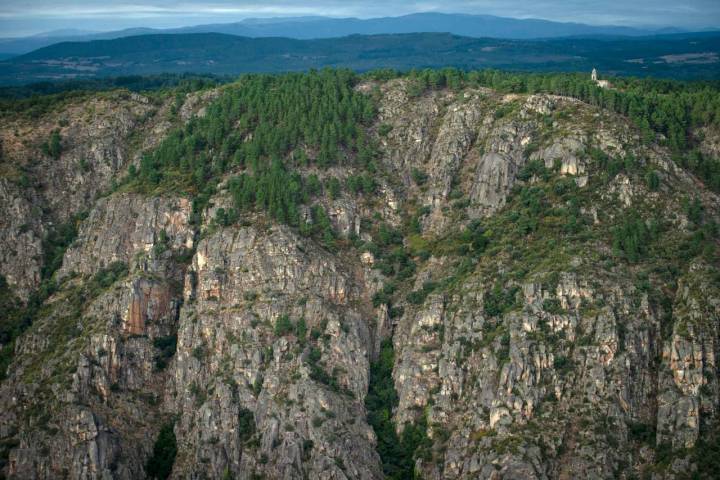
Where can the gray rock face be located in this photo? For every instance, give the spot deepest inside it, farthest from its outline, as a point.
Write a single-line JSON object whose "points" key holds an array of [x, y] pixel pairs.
{"points": [[97, 140], [100, 137], [123, 226], [84, 393], [581, 372], [688, 389], [95, 147], [710, 141], [498, 387], [21, 235], [231, 358], [464, 147]]}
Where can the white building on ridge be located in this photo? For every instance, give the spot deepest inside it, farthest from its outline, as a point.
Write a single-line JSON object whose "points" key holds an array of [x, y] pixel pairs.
{"points": [[599, 83]]}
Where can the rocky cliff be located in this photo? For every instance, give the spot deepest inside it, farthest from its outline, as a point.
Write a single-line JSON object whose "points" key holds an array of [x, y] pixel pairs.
{"points": [[543, 280]]}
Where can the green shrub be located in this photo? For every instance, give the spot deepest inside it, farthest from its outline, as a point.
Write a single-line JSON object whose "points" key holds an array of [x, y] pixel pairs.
{"points": [[694, 210], [301, 330], [474, 234], [397, 453], [380, 298], [246, 424], [384, 129], [361, 184], [283, 326], [653, 180], [417, 297], [552, 306], [53, 147], [109, 275], [162, 243], [499, 300], [199, 352], [160, 464], [418, 176], [707, 451], [167, 347], [705, 167], [642, 432], [333, 187], [534, 168], [226, 217], [56, 242], [632, 237], [257, 385], [562, 364]]}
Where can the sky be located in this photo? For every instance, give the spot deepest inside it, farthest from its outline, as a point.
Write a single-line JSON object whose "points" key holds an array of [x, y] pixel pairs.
{"points": [[28, 17]]}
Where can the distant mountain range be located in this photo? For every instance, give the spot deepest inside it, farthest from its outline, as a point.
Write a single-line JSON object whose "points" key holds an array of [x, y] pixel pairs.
{"points": [[676, 56], [476, 26]]}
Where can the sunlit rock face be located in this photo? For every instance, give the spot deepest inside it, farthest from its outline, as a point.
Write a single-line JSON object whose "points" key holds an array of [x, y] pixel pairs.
{"points": [[543, 353]]}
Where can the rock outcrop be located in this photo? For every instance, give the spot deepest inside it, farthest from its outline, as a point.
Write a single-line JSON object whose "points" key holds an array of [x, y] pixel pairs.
{"points": [[530, 339]]}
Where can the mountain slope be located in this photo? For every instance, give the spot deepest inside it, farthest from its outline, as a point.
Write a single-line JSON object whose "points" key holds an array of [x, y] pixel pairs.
{"points": [[456, 24], [323, 27], [681, 56], [327, 276]]}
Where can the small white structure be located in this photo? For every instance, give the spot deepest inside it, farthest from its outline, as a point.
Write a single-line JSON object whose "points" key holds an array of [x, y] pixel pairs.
{"points": [[599, 83]]}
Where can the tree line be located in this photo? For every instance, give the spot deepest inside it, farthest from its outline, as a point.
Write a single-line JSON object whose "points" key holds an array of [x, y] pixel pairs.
{"points": [[265, 126]]}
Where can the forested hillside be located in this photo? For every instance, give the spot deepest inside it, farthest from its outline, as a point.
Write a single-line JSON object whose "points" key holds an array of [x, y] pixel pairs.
{"points": [[435, 274], [325, 27], [681, 56]]}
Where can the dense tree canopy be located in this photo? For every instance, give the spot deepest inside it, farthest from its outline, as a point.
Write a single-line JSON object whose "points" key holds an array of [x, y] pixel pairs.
{"points": [[264, 119], [263, 126]]}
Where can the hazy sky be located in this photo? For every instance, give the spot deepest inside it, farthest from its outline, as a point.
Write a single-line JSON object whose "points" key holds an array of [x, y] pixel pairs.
{"points": [[23, 17]]}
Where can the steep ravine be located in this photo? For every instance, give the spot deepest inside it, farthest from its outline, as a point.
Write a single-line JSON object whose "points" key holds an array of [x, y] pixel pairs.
{"points": [[544, 318]]}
